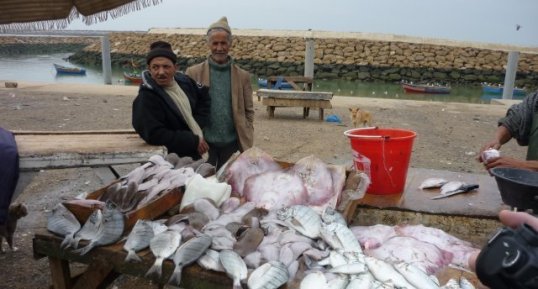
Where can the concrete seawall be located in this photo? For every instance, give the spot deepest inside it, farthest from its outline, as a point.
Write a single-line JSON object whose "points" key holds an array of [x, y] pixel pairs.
{"points": [[353, 56]]}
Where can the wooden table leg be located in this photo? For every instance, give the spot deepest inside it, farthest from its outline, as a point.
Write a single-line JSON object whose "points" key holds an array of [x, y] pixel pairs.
{"points": [[321, 114], [306, 112], [271, 111], [99, 274], [60, 273]]}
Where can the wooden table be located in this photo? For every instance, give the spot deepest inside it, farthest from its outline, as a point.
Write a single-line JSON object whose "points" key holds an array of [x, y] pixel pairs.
{"points": [[292, 98], [106, 263], [297, 82]]}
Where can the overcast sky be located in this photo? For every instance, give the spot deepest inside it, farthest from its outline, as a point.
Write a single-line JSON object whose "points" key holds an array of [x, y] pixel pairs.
{"points": [[490, 21]]}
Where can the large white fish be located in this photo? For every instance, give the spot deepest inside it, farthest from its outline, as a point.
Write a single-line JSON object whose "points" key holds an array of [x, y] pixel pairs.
{"points": [[138, 239], [162, 246], [270, 275], [275, 190], [90, 228], [62, 222], [109, 232], [188, 253], [234, 266], [317, 179]]}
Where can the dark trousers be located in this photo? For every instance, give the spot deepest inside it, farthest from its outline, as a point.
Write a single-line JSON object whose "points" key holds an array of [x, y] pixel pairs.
{"points": [[9, 171], [219, 154]]}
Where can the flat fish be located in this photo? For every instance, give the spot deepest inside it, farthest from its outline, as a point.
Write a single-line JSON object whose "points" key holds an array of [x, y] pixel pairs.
{"points": [[210, 261], [162, 246], [275, 190], [188, 253], [270, 275], [234, 266], [109, 232], [62, 222], [138, 239], [89, 230], [431, 183], [317, 179]]}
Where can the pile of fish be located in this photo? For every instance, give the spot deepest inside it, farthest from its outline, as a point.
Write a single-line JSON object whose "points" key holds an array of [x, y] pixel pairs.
{"points": [[257, 177], [278, 226]]}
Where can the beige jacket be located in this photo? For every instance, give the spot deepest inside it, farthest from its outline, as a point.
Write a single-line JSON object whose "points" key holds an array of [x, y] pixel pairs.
{"points": [[242, 104]]}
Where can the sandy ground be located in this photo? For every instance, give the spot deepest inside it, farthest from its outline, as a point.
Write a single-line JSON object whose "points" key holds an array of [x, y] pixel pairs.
{"points": [[448, 137]]}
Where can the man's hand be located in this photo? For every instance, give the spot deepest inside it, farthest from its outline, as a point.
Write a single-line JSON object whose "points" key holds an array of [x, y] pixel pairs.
{"points": [[203, 147], [513, 220], [494, 144]]}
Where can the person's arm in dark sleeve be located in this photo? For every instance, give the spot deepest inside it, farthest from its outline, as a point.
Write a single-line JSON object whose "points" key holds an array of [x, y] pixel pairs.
{"points": [[203, 105], [518, 119], [149, 120]]}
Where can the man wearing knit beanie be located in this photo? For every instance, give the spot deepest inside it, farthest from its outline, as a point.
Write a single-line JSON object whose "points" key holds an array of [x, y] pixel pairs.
{"points": [[171, 109], [231, 121]]}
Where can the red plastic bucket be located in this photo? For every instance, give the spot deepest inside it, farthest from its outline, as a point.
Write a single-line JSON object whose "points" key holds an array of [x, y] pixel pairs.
{"points": [[383, 154]]}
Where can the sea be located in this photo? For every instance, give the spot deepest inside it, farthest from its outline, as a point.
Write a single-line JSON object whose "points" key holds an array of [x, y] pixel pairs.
{"points": [[39, 68]]}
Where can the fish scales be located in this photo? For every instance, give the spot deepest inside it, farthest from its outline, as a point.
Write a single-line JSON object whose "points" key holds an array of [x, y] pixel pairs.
{"points": [[270, 275], [234, 266], [188, 253], [138, 239], [162, 246]]}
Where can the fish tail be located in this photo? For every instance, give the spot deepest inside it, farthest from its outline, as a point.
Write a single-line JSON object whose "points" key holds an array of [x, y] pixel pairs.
{"points": [[75, 242], [132, 257], [84, 250], [67, 241], [175, 279], [237, 284], [156, 268]]}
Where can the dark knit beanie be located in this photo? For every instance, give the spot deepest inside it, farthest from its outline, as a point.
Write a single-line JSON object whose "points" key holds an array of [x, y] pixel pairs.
{"points": [[161, 48]]}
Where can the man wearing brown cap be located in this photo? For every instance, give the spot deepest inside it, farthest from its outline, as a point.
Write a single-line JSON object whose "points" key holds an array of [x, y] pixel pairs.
{"points": [[171, 109], [230, 127]]}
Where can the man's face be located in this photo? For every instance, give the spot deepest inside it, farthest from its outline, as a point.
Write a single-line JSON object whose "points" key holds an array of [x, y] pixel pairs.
{"points": [[162, 70], [219, 44]]}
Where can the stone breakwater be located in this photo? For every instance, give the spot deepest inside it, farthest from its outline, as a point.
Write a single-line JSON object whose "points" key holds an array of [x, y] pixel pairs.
{"points": [[34, 45], [337, 55]]}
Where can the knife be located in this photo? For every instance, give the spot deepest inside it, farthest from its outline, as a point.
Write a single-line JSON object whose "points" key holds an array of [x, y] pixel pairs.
{"points": [[462, 189]]}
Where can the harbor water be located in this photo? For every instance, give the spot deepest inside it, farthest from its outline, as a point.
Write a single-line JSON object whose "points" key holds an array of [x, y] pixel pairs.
{"points": [[39, 68]]}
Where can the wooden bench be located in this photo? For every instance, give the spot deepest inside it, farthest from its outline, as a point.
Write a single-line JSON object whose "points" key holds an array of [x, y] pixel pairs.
{"points": [[294, 98]]}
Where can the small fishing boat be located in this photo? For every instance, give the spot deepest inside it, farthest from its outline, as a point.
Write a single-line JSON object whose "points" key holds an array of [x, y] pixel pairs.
{"points": [[132, 77], [279, 84], [60, 69], [498, 89], [425, 88]]}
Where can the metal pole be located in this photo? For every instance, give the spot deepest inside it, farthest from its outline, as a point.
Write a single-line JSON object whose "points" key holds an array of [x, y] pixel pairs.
{"points": [[105, 55], [309, 55], [510, 76]]}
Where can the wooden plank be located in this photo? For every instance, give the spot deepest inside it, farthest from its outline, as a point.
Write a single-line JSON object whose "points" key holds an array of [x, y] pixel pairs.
{"points": [[312, 103], [294, 94], [96, 275], [38, 151]]}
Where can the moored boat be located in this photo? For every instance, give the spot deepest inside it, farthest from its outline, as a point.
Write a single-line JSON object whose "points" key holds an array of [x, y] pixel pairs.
{"points": [[425, 88], [132, 77], [280, 84], [60, 69], [498, 89]]}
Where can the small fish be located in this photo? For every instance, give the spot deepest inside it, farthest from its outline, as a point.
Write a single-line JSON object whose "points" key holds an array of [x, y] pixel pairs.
{"points": [[188, 253], [340, 237], [385, 272], [451, 284], [270, 275], [331, 215], [62, 222], [431, 183], [461, 189], [352, 269], [451, 186], [301, 218], [109, 232], [138, 239], [361, 281], [415, 276], [466, 284], [234, 266], [210, 261], [89, 230], [162, 246], [314, 280]]}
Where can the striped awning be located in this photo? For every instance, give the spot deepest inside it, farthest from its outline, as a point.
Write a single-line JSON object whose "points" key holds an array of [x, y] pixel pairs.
{"points": [[57, 14]]}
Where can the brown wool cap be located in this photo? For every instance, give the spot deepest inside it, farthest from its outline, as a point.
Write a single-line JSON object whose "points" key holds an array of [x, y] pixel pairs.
{"points": [[222, 23]]}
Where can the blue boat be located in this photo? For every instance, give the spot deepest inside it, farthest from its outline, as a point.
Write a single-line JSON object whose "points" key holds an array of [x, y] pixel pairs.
{"points": [[279, 84], [492, 89], [60, 69]]}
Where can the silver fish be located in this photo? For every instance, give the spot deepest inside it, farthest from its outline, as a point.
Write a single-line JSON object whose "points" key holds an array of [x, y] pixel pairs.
{"points": [[314, 280], [352, 269], [210, 261], [340, 237], [431, 183], [451, 186], [385, 272], [466, 284], [138, 239], [188, 253], [331, 215], [361, 281], [62, 222], [451, 284], [415, 276], [301, 218], [234, 266], [338, 282], [162, 246], [110, 231], [270, 275], [90, 228]]}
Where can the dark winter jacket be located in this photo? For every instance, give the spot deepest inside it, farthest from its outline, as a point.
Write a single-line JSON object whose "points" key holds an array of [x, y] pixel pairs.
{"points": [[157, 119]]}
